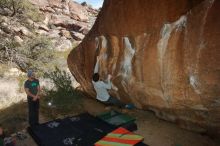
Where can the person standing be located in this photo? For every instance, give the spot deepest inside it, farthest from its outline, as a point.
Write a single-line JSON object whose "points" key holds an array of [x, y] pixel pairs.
{"points": [[32, 89]]}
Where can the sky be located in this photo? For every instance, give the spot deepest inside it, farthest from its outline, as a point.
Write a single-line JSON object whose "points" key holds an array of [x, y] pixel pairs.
{"points": [[94, 3]]}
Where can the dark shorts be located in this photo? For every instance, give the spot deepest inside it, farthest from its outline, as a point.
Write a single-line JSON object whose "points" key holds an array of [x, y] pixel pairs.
{"points": [[114, 101]]}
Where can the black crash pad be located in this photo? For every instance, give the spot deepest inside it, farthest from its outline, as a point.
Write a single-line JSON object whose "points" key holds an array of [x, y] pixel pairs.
{"points": [[81, 130]]}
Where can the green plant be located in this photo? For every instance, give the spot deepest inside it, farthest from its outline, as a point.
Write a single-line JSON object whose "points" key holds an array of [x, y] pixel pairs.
{"points": [[8, 50], [37, 54], [21, 6], [14, 5], [34, 13], [64, 99], [61, 79]]}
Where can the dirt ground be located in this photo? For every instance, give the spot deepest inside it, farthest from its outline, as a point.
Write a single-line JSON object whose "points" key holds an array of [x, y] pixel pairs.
{"points": [[156, 132]]}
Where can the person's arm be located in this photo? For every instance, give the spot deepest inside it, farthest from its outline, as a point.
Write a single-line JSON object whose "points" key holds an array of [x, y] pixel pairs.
{"points": [[29, 93], [108, 85], [38, 91], [96, 70], [26, 88]]}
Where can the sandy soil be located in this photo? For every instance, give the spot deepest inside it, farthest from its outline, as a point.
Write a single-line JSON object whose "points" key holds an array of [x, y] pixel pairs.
{"points": [[156, 132]]}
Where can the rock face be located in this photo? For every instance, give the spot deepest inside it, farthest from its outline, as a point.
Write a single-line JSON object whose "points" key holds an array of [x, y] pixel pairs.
{"points": [[65, 13], [63, 20], [67, 17], [163, 55]]}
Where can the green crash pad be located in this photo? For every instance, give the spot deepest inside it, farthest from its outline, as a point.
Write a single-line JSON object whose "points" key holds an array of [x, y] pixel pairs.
{"points": [[116, 118]]}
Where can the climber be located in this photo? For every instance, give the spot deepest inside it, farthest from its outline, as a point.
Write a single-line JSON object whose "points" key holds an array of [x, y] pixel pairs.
{"points": [[32, 89], [102, 87]]}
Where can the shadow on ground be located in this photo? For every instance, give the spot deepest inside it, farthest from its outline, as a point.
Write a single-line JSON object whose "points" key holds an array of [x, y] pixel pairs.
{"points": [[155, 131]]}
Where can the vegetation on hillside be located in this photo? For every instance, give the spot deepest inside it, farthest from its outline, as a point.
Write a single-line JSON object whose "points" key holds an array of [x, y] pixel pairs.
{"points": [[24, 7], [35, 53], [63, 99], [60, 101]]}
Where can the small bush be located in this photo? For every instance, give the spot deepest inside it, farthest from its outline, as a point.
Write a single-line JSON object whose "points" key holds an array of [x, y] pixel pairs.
{"points": [[22, 7], [7, 50], [34, 14], [36, 53], [64, 98]]}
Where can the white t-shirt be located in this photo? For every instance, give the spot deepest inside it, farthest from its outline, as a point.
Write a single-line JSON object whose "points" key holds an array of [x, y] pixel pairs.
{"points": [[101, 87], [101, 90]]}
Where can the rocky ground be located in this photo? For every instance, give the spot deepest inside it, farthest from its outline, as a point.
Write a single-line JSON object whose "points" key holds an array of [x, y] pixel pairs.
{"points": [[157, 132]]}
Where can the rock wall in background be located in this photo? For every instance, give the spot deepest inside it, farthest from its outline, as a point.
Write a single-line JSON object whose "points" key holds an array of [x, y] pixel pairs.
{"points": [[163, 55], [72, 19], [64, 23]]}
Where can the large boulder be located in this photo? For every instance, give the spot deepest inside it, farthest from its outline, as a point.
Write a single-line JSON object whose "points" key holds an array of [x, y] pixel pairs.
{"points": [[163, 55]]}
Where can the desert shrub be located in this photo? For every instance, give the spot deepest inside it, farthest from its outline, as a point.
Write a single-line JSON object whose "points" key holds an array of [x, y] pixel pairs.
{"points": [[34, 14], [7, 50], [12, 5], [37, 54], [64, 98], [23, 7]]}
